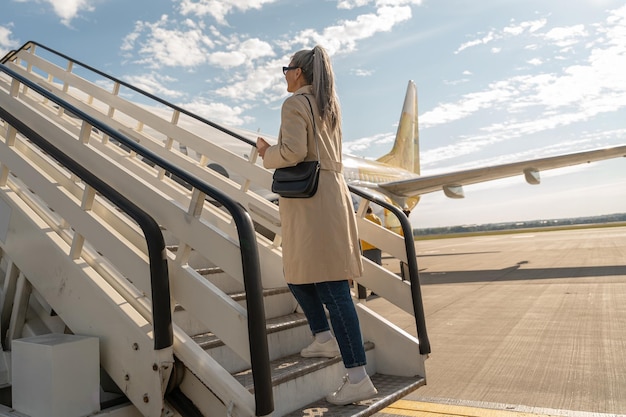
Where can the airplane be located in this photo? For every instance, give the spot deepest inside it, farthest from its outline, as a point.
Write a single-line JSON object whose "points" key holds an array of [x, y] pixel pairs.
{"points": [[396, 177]]}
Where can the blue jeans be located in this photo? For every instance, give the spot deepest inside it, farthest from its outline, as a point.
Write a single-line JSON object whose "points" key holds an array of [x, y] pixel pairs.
{"points": [[335, 295]]}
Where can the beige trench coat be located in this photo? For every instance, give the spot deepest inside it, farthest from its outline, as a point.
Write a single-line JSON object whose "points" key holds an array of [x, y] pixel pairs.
{"points": [[320, 238]]}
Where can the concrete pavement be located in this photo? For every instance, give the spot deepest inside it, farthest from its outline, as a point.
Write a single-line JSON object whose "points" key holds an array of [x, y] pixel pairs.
{"points": [[531, 322]]}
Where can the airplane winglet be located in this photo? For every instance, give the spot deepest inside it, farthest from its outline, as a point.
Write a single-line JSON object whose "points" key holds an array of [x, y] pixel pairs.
{"points": [[405, 151]]}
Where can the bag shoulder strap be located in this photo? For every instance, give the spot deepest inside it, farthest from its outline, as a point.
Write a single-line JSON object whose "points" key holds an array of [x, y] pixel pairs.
{"points": [[317, 147]]}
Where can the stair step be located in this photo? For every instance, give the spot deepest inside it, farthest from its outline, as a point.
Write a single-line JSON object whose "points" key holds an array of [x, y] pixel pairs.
{"points": [[240, 296], [390, 389], [286, 335], [279, 303], [291, 367], [210, 341]]}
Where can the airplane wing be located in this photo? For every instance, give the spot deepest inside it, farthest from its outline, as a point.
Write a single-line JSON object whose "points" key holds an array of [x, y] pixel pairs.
{"points": [[452, 183]]}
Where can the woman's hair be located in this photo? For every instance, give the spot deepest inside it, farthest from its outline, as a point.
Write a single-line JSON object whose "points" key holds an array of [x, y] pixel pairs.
{"points": [[318, 71]]}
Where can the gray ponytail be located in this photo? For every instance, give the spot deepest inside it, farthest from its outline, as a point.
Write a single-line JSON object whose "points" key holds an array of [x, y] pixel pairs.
{"points": [[318, 71]]}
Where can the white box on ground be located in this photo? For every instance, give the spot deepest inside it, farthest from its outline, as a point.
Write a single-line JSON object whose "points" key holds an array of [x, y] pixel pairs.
{"points": [[56, 375]]}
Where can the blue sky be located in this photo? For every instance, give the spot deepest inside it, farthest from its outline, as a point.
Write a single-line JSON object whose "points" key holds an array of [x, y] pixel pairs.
{"points": [[498, 80]]}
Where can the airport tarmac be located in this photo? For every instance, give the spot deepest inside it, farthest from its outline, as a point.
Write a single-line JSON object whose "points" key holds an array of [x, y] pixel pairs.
{"points": [[523, 323]]}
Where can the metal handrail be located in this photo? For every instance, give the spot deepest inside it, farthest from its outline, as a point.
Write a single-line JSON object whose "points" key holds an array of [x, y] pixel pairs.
{"points": [[9, 55], [229, 132], [409, 244], [259, 356]]}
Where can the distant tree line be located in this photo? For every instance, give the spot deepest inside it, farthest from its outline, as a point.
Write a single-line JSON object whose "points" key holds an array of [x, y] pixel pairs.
{"points": [[532, 224]]}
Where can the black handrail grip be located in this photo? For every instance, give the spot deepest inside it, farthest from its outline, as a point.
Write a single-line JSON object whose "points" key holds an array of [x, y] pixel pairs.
{"points": [[159, 278], [132, 87], [9, 55], [259, 355], [409, 244]]}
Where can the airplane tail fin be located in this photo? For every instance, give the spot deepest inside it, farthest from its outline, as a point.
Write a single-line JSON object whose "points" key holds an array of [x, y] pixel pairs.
{"points": [[405, 151]]}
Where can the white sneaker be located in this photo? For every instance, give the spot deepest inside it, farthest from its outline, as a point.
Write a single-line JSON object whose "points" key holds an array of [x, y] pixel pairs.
{"points": [[330, 349], [349, 393]]}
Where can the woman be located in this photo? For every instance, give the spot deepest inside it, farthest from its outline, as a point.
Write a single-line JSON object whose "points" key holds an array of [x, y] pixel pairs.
{"points": [[320, 243]]}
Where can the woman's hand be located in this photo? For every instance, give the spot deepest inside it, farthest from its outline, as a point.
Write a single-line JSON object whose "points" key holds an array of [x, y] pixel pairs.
{"points": [[261, 146]]}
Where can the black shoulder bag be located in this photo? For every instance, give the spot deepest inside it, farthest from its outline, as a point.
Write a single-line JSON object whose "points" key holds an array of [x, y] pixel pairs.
{"points": [[299, 181]]}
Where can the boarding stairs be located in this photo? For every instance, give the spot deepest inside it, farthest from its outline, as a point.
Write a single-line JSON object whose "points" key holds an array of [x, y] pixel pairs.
{"points": [[126, 218]]}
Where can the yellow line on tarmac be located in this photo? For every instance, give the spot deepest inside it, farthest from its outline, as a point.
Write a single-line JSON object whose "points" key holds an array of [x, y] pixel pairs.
{"points": [[423, 409]]}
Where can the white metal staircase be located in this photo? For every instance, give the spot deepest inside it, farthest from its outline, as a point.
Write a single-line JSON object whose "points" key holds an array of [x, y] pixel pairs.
{"points": [[74, 260]]}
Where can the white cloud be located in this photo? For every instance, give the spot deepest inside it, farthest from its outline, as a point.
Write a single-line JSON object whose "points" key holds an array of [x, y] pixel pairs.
{"points": [[190, 44], [456, 82], [343, 37], [598, 85], [566, 36], [359, 72], [351, 4], [227, 59], [218, 112], [154, 84], [579, 91], [166, 43], [437, 160], [69, 9], [469, 104], [128, 43], [515, 29], [242, 53], [482, 41], [66, 9], [359, 145], [256, 48], [6, 41], [395, 3], [549, 101], [219, 8], [265, 80], [185, 47]]}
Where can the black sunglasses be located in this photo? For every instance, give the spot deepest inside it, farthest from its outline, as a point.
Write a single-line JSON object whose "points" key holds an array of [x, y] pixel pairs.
{"points": [[285, 69]]}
